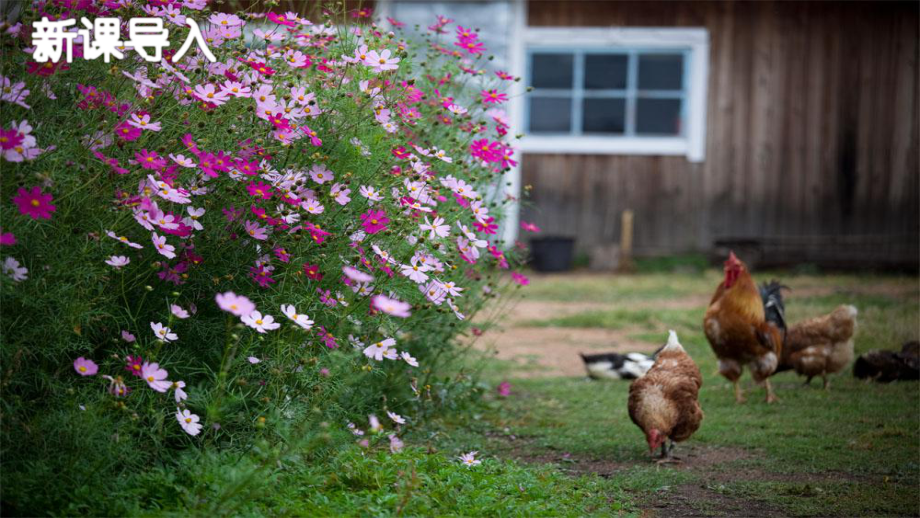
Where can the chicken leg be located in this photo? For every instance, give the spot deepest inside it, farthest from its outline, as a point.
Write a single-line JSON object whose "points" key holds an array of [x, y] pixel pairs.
{"points": [[739, 394], [771, 397]]}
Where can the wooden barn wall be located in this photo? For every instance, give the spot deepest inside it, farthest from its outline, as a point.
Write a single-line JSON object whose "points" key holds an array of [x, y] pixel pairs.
{"points": [[812, 130]]}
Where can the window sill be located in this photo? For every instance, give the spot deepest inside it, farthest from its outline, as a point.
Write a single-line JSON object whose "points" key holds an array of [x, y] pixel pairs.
{"points": [[665, 146]]}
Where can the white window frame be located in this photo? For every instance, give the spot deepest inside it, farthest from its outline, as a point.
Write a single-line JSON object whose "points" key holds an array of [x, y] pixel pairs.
{"points": [[691, 144]]}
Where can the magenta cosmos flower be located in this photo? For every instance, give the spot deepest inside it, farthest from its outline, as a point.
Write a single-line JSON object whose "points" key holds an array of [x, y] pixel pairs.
{"points": [[390, 306], [374, 221], [493, 97], [34, 203], [236, 304], [520, 278], [85, 367]]}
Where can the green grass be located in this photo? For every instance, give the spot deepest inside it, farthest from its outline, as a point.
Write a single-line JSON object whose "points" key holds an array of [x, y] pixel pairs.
{"points": [[852, 450]]}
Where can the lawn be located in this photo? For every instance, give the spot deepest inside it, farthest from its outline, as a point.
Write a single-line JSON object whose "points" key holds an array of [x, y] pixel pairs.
{"points": [[851, 450]]}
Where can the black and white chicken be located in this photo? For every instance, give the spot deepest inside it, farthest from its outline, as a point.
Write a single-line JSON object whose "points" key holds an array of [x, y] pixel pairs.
{"points": [[616, 366]]}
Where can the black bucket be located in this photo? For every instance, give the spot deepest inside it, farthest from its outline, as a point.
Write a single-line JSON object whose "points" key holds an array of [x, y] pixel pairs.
{"points": [[552, 254]]}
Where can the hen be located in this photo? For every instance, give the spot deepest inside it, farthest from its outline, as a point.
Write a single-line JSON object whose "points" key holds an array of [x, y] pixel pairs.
{"points": [[617, 366], [887, 366], [663, 403], [739, 331], [820, 346]]}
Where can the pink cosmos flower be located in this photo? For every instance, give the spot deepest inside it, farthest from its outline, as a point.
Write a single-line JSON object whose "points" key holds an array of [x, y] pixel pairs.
{"points": [[374, 423], [12, 268], [469, 459], [238, 305], [390, 306], [117, 261], [396, 418], [15, 93], [493, 97], [85, 367], [530, 227], [520, 278], [396, 445], [260, 323], [178, 311], [504, 389], [142, 120], [437, 228], [321, 174], [34, 203], [155, 377], [356, 275], [164, 248], [179, 394], [188, 421], [381, 62], [374, 221], [253, 360], [7, 239], [210, 94], [256, 231]]}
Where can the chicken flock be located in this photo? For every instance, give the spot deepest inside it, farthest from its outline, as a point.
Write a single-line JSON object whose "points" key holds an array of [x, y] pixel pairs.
{"points": [[746, 328]]}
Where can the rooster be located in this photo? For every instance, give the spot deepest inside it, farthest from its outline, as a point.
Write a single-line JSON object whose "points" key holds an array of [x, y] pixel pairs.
{"points": [[739, 330], [820, 346], [664, 403]]}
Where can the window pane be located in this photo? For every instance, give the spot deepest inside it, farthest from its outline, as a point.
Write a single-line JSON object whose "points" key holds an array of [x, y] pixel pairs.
{"points": [[552, 71], [604, 116], [661, 72], [550, 114], [605, 71], [658, 117]]}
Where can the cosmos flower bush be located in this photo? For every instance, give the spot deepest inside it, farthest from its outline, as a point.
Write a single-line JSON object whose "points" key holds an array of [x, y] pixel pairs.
{"points": [[294, 237]]}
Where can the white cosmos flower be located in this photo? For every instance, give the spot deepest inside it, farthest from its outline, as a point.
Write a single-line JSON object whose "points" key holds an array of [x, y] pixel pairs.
{"points": [[163, 333], [188, 421], [260, 323], [302, 320], [380, 350], [409, 359], [396, 418]]}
